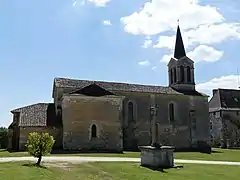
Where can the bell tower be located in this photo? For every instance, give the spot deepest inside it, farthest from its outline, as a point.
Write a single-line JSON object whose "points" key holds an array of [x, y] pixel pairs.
{"points": [[180, 67]]}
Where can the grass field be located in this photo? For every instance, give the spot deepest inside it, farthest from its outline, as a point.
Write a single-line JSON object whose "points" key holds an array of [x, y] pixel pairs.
{"points": [[115, 171], [218, 154]]}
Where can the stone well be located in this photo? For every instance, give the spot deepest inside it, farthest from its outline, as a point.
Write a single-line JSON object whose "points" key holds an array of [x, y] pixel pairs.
{"points": [[157, 157]]}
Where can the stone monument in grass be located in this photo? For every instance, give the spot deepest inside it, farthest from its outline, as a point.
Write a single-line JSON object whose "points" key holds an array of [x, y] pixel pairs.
{"points": [[156, 155]]}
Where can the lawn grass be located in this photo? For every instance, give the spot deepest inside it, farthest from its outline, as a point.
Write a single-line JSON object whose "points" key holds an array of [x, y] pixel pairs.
{"points": [[217, 155], [116, 171], [5, 153]]}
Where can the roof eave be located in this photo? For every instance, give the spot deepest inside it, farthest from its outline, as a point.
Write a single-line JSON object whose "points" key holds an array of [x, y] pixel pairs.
{"points": [[54, 86], [15, 111]]}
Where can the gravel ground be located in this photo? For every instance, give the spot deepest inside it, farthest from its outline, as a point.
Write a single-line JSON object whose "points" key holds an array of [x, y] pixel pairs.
{"points": [[78, 160]]}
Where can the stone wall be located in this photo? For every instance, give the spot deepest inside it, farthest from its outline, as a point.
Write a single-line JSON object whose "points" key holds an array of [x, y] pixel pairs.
{"points": [[231, 128], [80, 113], [216, 128], [138, 132], [55, 132], [225, 130], [58, 94]]}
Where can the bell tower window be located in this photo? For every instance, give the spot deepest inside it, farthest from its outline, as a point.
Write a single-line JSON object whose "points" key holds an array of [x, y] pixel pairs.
{"points": [[188, 74], [182, 74], [171, 76], [174, 75]]}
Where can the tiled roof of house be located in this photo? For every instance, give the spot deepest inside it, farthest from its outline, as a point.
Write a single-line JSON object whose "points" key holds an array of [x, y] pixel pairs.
{"points": [[116, 86], [225, 99], [40, 114]]}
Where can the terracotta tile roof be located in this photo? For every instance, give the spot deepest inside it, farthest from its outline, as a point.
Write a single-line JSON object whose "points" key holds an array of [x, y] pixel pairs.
{"points": [[116, 86], [40, 114]]}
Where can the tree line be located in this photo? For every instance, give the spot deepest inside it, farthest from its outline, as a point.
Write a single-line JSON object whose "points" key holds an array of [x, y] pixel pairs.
{"points": [[3, 137]]}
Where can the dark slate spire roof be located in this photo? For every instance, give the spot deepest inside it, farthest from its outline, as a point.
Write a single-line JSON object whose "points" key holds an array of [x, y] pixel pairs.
{"points": [[179, 51]]}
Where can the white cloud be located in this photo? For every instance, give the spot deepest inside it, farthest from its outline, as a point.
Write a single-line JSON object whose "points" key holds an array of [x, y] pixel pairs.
{"points": [[226, 82], [205, 53], [99, 3], [204, 34], [76, 2], [167, 42], [144, 63], [154, 67], [147, 42], [161, 15], [166, 58], [200, 24], [200, 53], [107, 22]]}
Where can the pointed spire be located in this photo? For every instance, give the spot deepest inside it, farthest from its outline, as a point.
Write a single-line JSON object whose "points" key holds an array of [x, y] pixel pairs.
{"points": [[179, 51]]}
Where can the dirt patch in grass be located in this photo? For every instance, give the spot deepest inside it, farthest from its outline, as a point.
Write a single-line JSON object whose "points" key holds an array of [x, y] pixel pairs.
{"points": [[107, 175], [61, 165]]}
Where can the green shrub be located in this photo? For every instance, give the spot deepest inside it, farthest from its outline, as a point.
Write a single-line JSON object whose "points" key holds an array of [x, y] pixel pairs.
{"points": [[3, 137], [39, 144]]}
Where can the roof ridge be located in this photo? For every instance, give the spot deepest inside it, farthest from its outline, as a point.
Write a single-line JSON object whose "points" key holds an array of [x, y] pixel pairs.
{"points": [[30, 105], [121, 86], [112, 82]]}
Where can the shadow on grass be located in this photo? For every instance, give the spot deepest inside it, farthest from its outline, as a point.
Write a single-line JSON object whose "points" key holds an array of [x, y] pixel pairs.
{"points": [[199, 150], [34, 165], [3, 150], [84, 152], [162, 170], [212, 152]]}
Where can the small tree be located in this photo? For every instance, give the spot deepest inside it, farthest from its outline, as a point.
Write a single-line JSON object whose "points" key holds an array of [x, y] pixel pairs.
{"points": [[39, 144]]}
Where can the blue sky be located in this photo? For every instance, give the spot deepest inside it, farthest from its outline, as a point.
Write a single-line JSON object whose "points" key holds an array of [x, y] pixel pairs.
{"points": [[112, 40]]}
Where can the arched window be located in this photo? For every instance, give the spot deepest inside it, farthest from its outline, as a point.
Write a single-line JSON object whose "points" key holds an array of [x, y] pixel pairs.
{"points": [[174, 75], [171, 112], [188, 74], [59, 111], [130, 112], [94, 131], [182, 74]]}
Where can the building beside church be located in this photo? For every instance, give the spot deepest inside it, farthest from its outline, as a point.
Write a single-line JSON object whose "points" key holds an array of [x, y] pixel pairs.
{"points": [[109, 116], [224, 110]]}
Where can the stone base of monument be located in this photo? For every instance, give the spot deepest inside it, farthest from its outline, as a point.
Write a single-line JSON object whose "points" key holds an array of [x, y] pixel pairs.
{"points": [[157, 157]]}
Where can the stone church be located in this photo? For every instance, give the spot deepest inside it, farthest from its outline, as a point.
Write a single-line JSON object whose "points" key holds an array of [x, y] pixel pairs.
{"points": [[109, 116]]}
